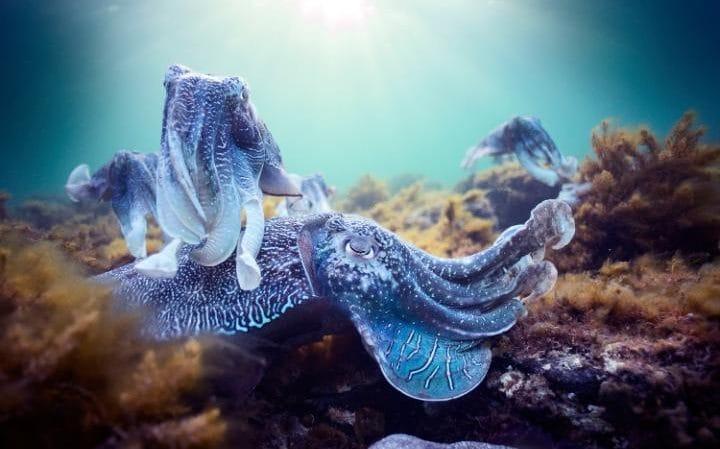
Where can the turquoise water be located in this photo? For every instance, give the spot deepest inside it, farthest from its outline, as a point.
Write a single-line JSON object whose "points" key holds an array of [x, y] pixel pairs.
{"points": [[400, 86]]}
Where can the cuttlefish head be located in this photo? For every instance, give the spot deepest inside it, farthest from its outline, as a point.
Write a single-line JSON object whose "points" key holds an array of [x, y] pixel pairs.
{"points": [[425, 320]]}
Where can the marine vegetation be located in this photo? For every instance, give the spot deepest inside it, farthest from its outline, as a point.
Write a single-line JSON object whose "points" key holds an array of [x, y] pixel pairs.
{"points": [[366, 193], [628, 353], [216, 159], [43, 213], [88, 234], [443, 224], [325, 270], [647, 197], [74, 372], [646, 289], [527, 140], [4, 197]]}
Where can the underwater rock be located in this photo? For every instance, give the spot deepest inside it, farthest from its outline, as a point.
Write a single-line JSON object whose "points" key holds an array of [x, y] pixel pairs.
{"points": [[647, 197], [510, 191], [325, 272], [532, 146], [613, 354], [4, 198], [216, 159], [400, 441], [316, 196], [570, 374]]}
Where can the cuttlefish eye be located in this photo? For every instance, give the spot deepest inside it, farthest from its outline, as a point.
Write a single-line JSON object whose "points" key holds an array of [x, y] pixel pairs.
{"points": [[360, 247]]}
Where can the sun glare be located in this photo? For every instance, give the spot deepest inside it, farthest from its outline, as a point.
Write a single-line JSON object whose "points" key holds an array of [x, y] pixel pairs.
{"points": [[337, 14]]}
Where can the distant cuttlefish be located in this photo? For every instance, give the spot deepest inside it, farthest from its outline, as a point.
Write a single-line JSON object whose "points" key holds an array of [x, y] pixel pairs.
{"points": [[316, 196], [216, 160], [531, 144]]}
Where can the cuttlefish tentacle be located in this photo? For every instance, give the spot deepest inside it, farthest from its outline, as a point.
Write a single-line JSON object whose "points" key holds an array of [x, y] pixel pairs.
{"points": [[550, 224], [248, 271]]}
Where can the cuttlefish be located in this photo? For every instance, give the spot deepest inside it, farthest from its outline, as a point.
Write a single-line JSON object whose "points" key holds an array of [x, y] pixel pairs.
{"points": [[526, 139], [315, 199], [216, 160], [425, 320]]}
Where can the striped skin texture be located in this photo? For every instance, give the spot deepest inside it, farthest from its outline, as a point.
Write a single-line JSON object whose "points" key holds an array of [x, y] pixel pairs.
{"points": [[427, 351], [202, 299], [426, 321]]}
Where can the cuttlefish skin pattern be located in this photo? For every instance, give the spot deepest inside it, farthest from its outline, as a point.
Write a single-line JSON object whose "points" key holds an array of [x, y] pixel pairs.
{"points": [[203, 299], [526, 139], [425, 320]]}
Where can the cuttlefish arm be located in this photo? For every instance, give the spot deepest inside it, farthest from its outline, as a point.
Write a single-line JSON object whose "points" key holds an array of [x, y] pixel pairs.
{"points": [[426, 330], [551, 224], [202, 299]]}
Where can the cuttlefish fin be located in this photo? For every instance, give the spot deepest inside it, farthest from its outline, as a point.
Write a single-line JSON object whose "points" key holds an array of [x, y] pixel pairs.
{"points": [[78, 182], [276, 181], [418, 362], [162, 264]]}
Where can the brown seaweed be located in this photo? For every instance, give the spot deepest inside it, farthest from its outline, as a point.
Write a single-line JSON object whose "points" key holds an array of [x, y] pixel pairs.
{"points": [[647, 197], [74, 372], [366, 193]]}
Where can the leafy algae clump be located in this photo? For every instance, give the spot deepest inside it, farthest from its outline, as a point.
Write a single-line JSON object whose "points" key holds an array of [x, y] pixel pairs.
{"points": [[443, 223], [76, 373], [366, 193], [647, 197]]}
